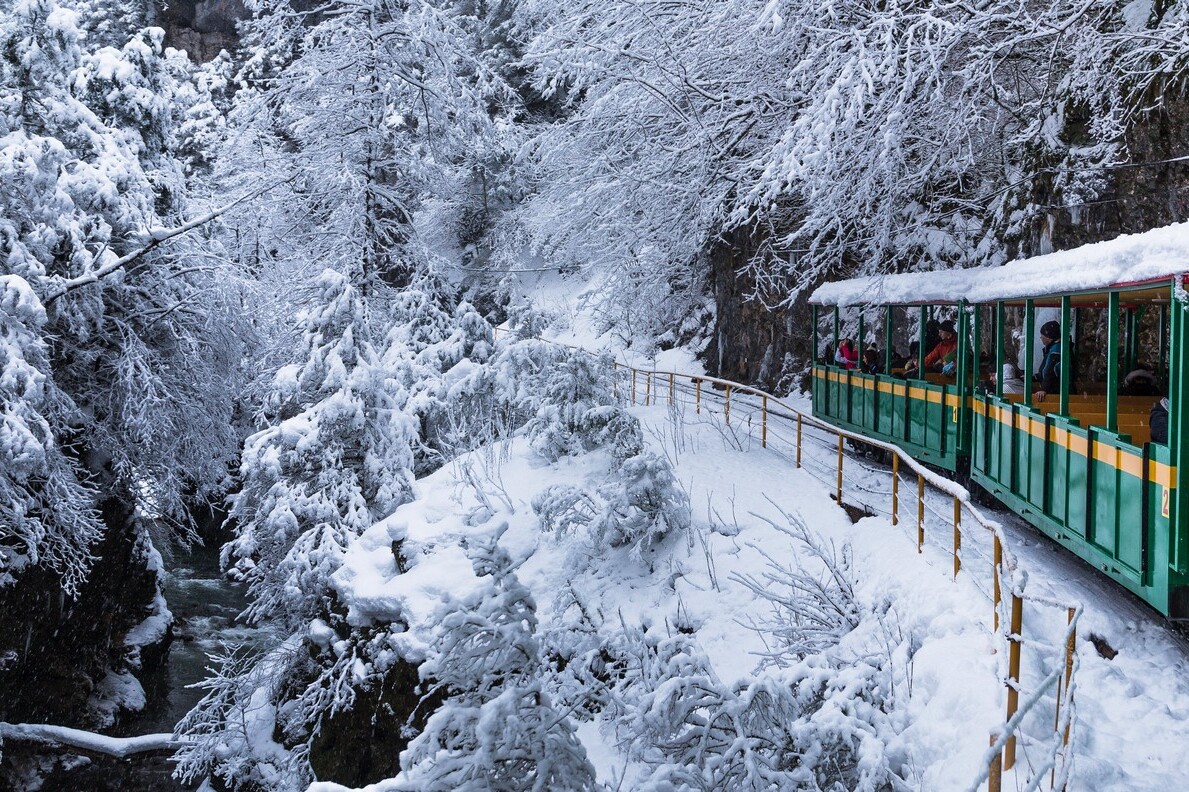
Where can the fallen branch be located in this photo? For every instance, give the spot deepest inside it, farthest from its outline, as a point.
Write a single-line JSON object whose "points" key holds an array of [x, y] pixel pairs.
{"points": [[156, 237], [85, 741]]}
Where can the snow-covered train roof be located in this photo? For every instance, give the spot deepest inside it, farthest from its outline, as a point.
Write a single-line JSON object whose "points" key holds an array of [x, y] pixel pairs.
{"points": [[1131, 259]]}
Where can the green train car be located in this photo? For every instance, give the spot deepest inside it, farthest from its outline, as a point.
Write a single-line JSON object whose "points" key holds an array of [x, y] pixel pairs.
{"points": [[1077, 461]]}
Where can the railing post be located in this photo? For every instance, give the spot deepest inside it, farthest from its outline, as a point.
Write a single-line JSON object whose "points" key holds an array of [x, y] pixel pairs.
{"points": [[995, 771], [1070, 649], [798, 439], [957, 536], [920, 512], [1013, 674], [764, 429], [615, 381], [671, 388], [648, 389], [633, 384], [839, 468], [997, 563], [895, 488], [697, 397], [728, 407]]}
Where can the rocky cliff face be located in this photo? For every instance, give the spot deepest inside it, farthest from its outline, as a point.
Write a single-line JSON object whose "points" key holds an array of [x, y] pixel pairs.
{"points": [[1147, 192], [753, 343], [201, 27], [57, 653]]}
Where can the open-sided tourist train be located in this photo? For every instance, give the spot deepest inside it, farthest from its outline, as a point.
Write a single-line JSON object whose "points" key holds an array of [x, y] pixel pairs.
{"points": [[1078, 463]]}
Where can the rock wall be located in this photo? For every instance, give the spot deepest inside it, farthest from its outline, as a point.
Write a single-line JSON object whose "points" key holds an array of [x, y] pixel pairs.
{"points": [[201, 27], [56, 651], [754, 342]]}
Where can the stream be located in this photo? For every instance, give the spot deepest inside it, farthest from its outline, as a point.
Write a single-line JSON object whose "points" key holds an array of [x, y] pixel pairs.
{"points": [[205, 607]]}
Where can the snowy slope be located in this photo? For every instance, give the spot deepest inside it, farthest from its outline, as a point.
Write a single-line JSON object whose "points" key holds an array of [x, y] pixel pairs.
{"points": [[950, 696]]}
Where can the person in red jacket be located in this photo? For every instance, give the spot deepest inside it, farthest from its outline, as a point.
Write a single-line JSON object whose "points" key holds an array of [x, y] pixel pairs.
{"points": [[946, 350], [847, 355]]}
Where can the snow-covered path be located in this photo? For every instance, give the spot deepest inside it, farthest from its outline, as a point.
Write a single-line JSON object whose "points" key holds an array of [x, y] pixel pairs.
{"points": [[1133, 709]]}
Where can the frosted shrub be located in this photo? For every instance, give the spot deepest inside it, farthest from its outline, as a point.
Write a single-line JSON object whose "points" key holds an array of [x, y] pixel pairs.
{"points": [[820, 727], [562, 508], [811, 596], [644, 503], [639, 505], [498, 729], [613, 428], [574, 385]]}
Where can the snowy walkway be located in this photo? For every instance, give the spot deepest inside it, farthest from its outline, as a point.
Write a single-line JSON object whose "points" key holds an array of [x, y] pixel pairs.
{"points": [[1133, 710]]}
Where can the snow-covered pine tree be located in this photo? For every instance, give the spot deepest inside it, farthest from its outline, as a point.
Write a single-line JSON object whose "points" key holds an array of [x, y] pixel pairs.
{"points": [[498, 728], [334, 456]]}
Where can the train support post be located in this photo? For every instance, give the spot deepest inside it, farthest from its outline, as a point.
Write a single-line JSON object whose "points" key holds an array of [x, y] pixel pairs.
{"points": [[1015, 639], [1112, 362]]}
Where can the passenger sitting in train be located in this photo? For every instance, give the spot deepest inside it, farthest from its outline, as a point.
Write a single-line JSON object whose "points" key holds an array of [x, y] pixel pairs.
{"points": [[1140, 381], [945, 352], [1012, 381], [1049, 374], [1158, 421], [847, 356], [872, 361]]}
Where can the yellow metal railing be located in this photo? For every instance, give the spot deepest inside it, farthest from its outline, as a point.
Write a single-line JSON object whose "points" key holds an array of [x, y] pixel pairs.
{"points": [[755, 408]]}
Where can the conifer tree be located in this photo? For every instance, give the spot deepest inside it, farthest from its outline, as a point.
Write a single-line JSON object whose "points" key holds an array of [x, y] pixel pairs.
{"points": [[334, 457]]}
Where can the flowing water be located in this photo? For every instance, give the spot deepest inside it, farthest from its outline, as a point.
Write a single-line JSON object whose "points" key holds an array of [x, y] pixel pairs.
{"points": [[205, 607]]}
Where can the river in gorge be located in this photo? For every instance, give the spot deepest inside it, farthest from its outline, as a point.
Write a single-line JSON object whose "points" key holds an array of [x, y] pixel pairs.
{"points": [[205, 607]]}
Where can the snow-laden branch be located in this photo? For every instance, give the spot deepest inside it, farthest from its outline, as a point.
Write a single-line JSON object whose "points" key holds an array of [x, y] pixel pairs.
{"points": [[62, 736], [155, 238]]}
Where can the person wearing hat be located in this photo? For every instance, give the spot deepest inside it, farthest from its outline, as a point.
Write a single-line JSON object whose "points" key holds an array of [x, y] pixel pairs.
{"points": [[1013, 383], [1049, 374], [943, 353]]}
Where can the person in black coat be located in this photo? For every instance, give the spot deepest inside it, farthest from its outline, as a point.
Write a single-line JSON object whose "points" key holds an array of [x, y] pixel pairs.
{"points": [[1049, 375], [1158, 421]]}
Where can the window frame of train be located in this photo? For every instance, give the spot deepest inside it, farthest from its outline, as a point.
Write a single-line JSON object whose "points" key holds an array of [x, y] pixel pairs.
{"points": [[922, 415], [1070, 465]]}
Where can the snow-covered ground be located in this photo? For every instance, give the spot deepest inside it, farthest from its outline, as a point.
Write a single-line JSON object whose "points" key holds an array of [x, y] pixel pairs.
{"points": [[1133, 710]]}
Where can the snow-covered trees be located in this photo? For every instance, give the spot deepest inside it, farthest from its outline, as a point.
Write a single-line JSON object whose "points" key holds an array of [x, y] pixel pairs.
{"points": [[845, 135], [365, 111], [141, 346], [46, 514], [337, 458]]}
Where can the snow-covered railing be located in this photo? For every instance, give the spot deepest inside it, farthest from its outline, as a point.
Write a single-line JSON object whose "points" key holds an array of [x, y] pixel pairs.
{"points": [[776, 422]]}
